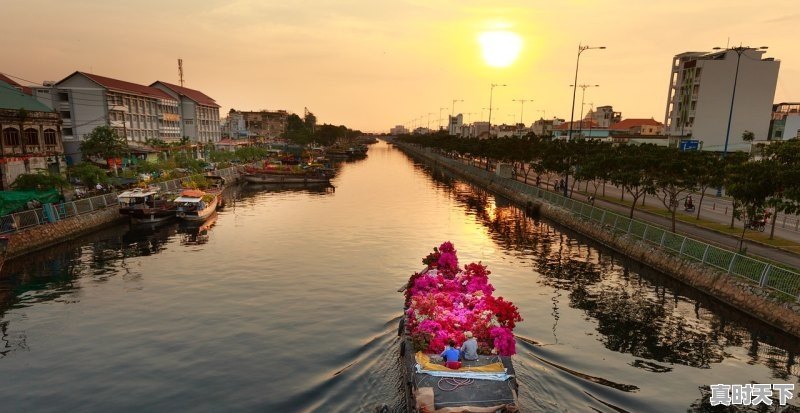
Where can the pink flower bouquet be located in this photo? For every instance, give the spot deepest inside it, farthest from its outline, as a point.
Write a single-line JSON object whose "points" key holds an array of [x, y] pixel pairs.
{"points": [[444, 301]]}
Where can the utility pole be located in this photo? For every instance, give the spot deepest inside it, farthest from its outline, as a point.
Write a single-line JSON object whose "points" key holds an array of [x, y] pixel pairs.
{"points": [[180, 70]]}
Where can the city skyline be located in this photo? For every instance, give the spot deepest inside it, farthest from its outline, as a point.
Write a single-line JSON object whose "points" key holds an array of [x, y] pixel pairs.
{"points": [[372, 66]]}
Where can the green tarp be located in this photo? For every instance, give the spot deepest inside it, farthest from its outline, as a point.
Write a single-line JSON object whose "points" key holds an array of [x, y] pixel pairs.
{"points": [[13, 201]]}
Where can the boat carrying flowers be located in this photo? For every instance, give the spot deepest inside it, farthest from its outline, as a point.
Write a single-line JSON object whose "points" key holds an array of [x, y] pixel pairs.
{"points": [[450, 312]]}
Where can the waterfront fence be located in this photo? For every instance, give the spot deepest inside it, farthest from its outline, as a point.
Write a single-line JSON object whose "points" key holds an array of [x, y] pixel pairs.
{"points": [[55, 212], [781, 280]]}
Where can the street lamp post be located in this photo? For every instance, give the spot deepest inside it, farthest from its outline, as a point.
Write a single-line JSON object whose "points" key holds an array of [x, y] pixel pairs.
{"points": [[581, 49], [739, 51], [429, 122], [440, 117], [583, 96], [491, 91], [522, 109], [453, 110]]}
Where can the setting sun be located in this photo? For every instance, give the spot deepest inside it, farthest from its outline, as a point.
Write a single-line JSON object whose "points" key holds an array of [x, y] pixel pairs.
{"points": [[500, 48]]}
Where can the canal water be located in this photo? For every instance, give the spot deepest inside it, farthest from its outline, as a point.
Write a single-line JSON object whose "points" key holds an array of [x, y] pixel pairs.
{"points": [[288, 303]]}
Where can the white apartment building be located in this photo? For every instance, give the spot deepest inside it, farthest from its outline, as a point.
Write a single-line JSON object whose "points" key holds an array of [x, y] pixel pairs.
{"points": [[700, 93], [455, 123], [398, 130], [199, 114], [86, 101]]}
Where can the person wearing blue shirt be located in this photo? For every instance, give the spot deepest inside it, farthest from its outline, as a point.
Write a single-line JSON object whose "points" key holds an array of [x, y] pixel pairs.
{"points": [[450, 356]]}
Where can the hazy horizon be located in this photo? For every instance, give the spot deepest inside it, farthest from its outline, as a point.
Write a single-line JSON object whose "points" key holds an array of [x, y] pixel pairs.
{"points": [[371, 65]]}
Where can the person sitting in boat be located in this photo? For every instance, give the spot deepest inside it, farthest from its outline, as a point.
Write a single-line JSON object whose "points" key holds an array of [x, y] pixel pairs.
{"points": [[469, 350], [450, 356]]}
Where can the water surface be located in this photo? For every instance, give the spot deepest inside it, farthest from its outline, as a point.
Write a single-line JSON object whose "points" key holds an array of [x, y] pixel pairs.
{"points": [[289, 304]]}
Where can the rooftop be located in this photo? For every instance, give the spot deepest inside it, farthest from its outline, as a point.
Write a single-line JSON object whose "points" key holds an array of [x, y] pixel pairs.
{"points": [[192, 94], [123, 86], [632, 123], [12, 98]]}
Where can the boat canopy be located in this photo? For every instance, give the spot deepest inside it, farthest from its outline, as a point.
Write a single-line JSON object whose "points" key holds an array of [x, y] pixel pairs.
{"points": [[192, 193], [188, 199], [137, 193]]}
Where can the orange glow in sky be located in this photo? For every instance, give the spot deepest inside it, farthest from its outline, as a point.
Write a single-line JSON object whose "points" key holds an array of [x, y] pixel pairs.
{"points": [[373, 64]]}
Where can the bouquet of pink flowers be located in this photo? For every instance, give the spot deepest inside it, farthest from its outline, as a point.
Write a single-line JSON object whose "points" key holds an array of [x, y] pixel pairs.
{"points": [[444, 301]]}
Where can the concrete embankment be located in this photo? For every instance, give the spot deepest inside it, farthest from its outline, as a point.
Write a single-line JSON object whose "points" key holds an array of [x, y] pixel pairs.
{"points": [[742, 295], [43, 236]]}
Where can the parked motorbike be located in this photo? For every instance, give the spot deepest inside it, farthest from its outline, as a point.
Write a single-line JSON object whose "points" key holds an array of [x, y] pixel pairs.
{"points": [[756, 224]]}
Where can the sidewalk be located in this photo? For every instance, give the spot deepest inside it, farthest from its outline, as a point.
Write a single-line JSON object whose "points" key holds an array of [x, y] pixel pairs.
{"points": [[721, 239]]}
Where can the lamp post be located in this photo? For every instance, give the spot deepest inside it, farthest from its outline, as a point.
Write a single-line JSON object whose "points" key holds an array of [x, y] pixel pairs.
{"points": [[522, 108], [581, 49], [440, 117], [429, 122], [583, 96], [491, 91], [739, 51], [453, 110]]}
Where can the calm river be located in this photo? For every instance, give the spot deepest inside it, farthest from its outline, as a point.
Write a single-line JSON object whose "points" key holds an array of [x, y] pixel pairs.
{"points": [[289, 304]]}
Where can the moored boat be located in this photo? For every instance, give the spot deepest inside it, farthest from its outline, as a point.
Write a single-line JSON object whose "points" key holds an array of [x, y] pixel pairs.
{"points": [[197, 205], [147, 205], [445, 303], [285, 175]]}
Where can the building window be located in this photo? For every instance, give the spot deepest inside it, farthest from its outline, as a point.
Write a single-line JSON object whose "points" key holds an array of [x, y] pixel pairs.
{"points": [[63, 96], [31, 136], [11, 137], [778, 134], [65, 114], [50, 137], [67, 131]]}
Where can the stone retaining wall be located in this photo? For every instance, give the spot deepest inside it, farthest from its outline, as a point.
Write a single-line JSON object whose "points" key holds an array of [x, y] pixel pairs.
{"points": [[43, 236], [731, 290]]}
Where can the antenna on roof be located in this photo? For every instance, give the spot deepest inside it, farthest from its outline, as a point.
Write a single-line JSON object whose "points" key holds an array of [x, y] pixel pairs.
{"points": [[180, 70]]}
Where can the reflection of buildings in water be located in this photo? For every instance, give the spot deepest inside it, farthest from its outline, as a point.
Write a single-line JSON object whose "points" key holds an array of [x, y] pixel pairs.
{"points": [[640, 312]]}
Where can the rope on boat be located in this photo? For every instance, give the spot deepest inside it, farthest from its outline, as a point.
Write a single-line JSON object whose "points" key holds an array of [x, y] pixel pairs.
{"points": [[452, 383]]}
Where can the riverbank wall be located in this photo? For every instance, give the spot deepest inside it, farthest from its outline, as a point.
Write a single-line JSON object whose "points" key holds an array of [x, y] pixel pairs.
{"points": [[79, 218], [734, 291], [43, 236]]}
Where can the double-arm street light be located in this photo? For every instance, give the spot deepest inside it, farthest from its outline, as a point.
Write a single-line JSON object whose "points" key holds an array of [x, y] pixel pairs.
{"points": [[522, 108], [583, 96], [491, 91], [440, 117], [581, 49], [453, 110]]}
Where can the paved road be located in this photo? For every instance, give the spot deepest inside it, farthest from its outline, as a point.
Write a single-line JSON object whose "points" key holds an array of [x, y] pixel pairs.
{"points": [[726, 241]]}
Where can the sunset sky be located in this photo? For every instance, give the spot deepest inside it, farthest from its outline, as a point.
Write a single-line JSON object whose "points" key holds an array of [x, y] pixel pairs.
{"points": [[372, 64]]}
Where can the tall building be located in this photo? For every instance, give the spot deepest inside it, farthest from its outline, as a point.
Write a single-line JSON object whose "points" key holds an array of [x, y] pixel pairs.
{"points": [[30, 136], [398, 130], [86, 101], [785, 122], [455, 123], [604, 116], [701, 87], [199, 114]]}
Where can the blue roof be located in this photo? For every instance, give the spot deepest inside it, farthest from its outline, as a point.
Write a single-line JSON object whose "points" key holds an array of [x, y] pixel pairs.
{"points": [[11, 98]]}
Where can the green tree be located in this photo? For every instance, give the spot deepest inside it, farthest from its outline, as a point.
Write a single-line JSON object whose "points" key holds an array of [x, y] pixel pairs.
{"points": [[750, 184], [40, 180], [673, 178], [89, 174], [103, 142], [634, 172]]}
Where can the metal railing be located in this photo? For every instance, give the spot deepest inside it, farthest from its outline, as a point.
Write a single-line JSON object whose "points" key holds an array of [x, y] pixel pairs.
{"points": [[55, 212], [780, 280]]}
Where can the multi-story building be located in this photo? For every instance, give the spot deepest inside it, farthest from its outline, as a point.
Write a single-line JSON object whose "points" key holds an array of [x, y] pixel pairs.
{"points": [[454, 124], [199, 114], [604, 116], [701, 89], [234, 126], [86, 101], [265, 124], [31, 136], [785, 122], [646, 127], [398, 130], [545, 127]]}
